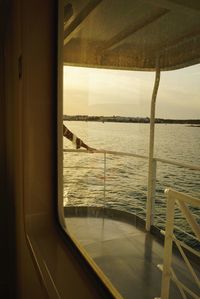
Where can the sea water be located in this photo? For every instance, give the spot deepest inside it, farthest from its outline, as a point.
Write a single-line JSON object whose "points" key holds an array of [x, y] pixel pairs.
{"points": [[120, 182]]}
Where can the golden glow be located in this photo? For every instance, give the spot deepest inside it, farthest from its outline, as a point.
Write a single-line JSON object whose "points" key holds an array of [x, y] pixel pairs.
{"points": [[128, 93]]}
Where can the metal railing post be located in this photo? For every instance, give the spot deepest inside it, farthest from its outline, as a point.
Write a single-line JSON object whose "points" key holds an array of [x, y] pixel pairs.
{"points": [[150, 190], [104, 191], [182, 200], [168, 246]]}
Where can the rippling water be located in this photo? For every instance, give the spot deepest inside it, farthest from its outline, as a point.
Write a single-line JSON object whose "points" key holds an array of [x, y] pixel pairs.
{"points": [[121, 182]]}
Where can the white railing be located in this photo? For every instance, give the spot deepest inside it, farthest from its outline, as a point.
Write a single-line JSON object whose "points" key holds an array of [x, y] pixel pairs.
{"points": [[173, 198], [182, 201], [106, 152], [150, 213], [156, 220]]}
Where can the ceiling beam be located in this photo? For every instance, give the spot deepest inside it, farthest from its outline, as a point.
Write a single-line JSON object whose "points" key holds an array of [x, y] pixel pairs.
{"points": [[77, 23], [116, 40]]}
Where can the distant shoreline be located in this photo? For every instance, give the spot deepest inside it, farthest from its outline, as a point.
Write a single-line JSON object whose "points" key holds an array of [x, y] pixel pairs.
{"points": [[124, 119]]}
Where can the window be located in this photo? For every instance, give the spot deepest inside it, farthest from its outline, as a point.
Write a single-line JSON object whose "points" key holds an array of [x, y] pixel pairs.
{"points": [[120, 150]]}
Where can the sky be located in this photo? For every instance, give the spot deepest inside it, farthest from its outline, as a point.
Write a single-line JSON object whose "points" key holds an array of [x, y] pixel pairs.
{"points": [[90, 91]]}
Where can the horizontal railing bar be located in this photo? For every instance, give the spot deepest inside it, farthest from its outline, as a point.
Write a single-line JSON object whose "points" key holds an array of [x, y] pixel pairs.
{"points": [[101, 168], [193, 194], [84, 167], [183, 197], [106, 152], [192, 167], [164, 201]]}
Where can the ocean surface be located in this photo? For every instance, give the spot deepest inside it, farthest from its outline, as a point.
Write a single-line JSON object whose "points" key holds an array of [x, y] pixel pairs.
{"points": [[120, 182]]}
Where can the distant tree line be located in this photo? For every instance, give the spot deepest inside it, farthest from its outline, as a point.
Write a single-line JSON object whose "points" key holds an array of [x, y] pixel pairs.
{"points": [[125, 119]]}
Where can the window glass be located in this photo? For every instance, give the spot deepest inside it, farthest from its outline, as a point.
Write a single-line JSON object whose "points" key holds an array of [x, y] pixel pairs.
{"points": [[131, 117]]}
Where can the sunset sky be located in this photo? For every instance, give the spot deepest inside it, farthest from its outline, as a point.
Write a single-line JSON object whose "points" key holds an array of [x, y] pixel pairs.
{"points": [[128, 93]]}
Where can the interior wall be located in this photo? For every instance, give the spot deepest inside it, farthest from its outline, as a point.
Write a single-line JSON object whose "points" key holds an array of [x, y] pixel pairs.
{"points": [[20, 277], [40, 191], [39, 95], [38, 261], [7, 259]]}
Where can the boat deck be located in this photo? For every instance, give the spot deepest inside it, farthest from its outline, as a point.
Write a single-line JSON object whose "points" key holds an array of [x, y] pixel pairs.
{"points": [[127, 254]]}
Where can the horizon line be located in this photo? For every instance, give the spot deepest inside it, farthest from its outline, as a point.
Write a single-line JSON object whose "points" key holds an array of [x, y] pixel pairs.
{"points": [[121, 116]]}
